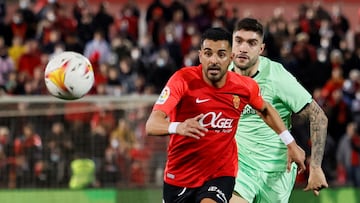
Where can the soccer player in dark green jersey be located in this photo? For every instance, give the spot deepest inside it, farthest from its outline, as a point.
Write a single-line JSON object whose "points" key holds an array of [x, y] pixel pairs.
{"points": [[264, 174]]}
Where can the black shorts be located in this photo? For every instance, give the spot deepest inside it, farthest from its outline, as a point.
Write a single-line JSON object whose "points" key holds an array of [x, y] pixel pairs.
{"points": [[218, 189]]}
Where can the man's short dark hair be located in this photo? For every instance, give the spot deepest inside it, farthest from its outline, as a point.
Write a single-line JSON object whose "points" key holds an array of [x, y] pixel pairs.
{"points": [[250, 24], [216, 34]]}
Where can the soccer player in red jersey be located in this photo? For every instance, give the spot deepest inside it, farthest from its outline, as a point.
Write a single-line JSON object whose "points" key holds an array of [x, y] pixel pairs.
{"points": [[199, 108]]}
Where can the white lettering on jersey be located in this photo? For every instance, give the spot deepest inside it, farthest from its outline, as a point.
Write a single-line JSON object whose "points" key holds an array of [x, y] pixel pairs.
{"points": [[248, 110], [215, 121], [171, 176]]}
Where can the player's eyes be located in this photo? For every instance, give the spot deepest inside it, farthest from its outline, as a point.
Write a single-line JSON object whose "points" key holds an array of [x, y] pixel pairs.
{"points": [[208, 54], [252, 43], [222, 54]]}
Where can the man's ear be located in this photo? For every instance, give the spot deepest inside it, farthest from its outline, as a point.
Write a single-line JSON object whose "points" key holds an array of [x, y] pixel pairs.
{"points": [[262, 48]]}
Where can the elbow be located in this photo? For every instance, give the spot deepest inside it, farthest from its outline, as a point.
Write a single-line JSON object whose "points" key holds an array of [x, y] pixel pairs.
{"points": [[149, 130]]}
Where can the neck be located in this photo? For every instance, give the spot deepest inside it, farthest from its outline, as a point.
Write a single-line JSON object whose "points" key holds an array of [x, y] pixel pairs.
{"points": [[250, 72]]}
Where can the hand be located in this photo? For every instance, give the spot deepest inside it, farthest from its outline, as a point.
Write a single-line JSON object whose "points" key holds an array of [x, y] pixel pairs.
{"points": [[297, 155], [316, 181], [192, 128]]}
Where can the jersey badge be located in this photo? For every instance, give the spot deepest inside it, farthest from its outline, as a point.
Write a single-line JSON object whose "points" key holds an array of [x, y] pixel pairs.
{"points": [[236, 101], [164, 95]]}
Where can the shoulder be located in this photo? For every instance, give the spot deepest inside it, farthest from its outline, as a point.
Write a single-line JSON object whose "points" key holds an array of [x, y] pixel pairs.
{"points": [[243, 81], [274, 70], [266, 63]]}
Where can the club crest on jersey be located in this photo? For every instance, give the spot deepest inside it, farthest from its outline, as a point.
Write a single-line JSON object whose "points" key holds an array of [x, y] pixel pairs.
{"points": [[236, 101], [164, 95]]}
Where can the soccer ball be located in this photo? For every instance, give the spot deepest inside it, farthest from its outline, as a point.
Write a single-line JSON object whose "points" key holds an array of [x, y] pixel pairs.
{"points": [[69, 75]]}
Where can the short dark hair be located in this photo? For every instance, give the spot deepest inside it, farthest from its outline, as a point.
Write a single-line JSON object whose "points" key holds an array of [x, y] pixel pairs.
{"points": [[215, 34], [250, 24]]}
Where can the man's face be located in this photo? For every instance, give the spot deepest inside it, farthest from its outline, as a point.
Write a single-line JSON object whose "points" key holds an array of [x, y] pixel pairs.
{"points": [[215, 57], [247, 46]]}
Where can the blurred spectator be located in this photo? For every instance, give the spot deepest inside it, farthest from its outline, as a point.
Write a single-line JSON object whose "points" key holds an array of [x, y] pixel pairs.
{"points": [[127, 76], [104, 117], [156, 14], [276, 35], [16, 49], [355, 159], [161, 70], [339, 114], [126, 23], [344, 156], [97, 49], [120, 48], [103, 19], [192, 58], [351, 85], [85, 28], [38, 83], [64, 22], [172, 43], [157, 147], [6, 63], [305, 56], [58, 152], [30, 59], [110, 174], [29, 17], [320, 12], [77, 119], [3, 10], [72, 43], [45, 25], [6, 156], [179, 5], [340, 25], [28, 151], [102, 76], [18, 25], [332, 84], [122, 140], [311, 25], [53, 41], [147, 49], [137, 62], [99, 142], [202, 16], [114, 86]]}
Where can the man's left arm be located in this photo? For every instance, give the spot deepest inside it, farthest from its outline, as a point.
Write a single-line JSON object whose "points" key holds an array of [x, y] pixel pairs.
{"points": [[318, 132]]}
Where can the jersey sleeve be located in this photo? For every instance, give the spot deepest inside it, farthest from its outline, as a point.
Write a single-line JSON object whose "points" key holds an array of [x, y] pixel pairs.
{"points": [[290, 91], [256, 101], [171, 94]]}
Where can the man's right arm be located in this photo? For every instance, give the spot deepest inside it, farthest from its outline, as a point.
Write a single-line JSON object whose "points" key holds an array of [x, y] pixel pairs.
{"points": [[159, 125]]}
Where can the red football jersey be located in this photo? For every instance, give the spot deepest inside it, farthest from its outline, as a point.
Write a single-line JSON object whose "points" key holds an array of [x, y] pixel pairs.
{"points": [[191, 162]]}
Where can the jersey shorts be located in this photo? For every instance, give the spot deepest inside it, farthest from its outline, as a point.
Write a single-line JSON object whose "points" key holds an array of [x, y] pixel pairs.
{"points": [[265, 187], [218, 189]]}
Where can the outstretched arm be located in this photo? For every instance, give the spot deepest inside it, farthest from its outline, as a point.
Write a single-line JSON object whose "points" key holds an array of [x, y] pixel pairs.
{"points": [[271, 117], [318, 133], [158, 125]]}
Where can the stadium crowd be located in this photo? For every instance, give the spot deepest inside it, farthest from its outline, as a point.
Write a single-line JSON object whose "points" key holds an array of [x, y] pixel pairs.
{"points": [[319, 47]]}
